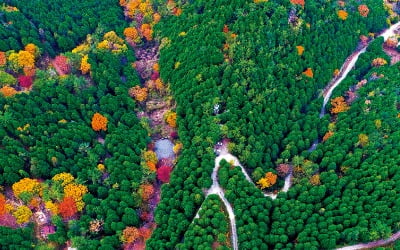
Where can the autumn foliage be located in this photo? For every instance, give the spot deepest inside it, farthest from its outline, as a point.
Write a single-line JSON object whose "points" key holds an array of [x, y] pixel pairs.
{"points": [[268, 180], [8, 91], [76, 191], [150, 156], [339, 105], [3, 58], [64, 178], [22, 214], [99, 122], [27, 185], [300, 2], [378, 62], [2, 204], [145, 233], [170, 118], [336, 72], [391, 42], [283, 169], [132, 34], [130, 234], [25, 81], [363, 139], [61, 63], [300, 50], [315, 180], [67, 207], [85, 65], [363, 10], [140, 94], [164, 173], [327, 136], [146, 191], [26, 59], [309, 73], [52, 207], [342, 14], [146, 31], [32, 48]]}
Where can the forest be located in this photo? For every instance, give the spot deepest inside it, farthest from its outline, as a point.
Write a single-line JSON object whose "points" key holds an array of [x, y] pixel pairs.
{"points": [[113, 116]]}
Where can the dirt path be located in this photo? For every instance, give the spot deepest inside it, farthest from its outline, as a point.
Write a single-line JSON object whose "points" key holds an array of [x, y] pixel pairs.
{"points": [[349, 64], [373, 244], [216, 189]]}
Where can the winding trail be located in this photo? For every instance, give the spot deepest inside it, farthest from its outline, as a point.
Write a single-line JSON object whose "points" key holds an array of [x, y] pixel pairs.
{"points": [[216, 189], [349, 64], [344, 71], [224, 154], [372, 244]]}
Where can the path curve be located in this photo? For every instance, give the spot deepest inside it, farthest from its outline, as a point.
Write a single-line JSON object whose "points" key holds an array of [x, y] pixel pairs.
{"points": [[224, 154], [349, 64], [216, 189], [344, 71], [373, 244]]}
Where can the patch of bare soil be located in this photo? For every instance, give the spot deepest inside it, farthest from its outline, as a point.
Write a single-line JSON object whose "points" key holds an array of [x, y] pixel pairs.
{"points": [[393, 53]]}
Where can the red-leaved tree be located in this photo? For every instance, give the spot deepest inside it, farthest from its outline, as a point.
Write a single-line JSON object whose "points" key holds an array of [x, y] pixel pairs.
{"points": [[7, 220], [61, 62], [67, 207], [164, 173], [25, 81]]}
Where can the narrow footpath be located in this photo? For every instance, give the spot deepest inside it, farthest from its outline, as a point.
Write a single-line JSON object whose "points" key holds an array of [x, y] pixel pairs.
{"points": [[224, 154]]}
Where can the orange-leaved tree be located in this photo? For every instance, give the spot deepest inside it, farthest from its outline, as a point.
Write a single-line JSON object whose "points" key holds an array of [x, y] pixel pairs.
{"points": [[339, 105], [300, 50], [26, 59], [342, 14], [327, 136], [85, 65], [378, 62], [315, 180], [308, 72], [8, 91], [146, 31], [76, 191], [140, 94], [268, 180], [131, 33], [3, 58], [146, 191], [99, 122], [170, 118], [67, 207], [2, 204], [130, 234], [32, 48], [363, 10], [391, 42], [300, 2]]}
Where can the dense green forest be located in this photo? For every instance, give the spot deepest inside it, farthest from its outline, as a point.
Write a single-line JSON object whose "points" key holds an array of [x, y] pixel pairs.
{"points": [[253, 71], [46, 24], [87, 90]]}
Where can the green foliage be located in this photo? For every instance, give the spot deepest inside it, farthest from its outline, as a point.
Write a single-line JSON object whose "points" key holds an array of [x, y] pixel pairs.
{"points": [[58, 31], [21, 238], [6, 79], [267, 108], [212, 227]]}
